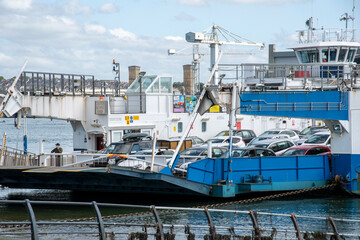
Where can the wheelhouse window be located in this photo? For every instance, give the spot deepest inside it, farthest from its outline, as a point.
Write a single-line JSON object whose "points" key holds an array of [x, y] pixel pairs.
{"points": [[309, 56], [342, 54], [351, 55]]}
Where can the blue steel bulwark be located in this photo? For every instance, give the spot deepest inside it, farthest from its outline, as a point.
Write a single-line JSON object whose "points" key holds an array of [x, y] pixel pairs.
{"points": [[263, 173], [301, 104]]}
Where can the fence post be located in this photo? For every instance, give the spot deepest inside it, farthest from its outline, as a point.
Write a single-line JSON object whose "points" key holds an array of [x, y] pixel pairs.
{"points": [[297, 229], [336, 233], [34, 231], [102, 234], [255, 224], [212, 229], [158, 222]]}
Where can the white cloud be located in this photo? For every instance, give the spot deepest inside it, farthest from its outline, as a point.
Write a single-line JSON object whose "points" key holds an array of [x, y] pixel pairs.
{"points": [[109, 8], [174, 38], [73, 7], [94, 28], [122, 34], [16, 4]]}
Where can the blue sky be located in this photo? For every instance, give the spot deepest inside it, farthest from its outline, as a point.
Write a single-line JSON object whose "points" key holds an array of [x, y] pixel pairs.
{"points": [[79, 36]]}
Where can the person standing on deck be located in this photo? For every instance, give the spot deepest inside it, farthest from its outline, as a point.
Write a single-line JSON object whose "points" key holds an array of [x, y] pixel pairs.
{"points": [[57, 149]]}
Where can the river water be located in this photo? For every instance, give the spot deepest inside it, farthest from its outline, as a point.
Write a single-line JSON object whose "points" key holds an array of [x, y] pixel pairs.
{"points": [[336, 205]]}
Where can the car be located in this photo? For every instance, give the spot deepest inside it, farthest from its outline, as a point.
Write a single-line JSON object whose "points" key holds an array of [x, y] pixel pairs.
{"points": [[270, 136], [195, 154], [142, 159], [311, 130], [246, 134], [223, 141], [117, 151], [320, 138], [195, 141], [306, 150], [249, 152], [277, 145], [293, 135]]}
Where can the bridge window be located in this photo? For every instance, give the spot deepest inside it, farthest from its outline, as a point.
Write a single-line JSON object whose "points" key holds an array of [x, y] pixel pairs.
{"points": [[351, 55], [325, 55], [333, 52], [310, 56], [342, 54]]}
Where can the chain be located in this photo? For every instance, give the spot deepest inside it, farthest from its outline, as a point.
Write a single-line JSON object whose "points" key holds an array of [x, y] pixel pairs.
{"points": [[216, 205]]}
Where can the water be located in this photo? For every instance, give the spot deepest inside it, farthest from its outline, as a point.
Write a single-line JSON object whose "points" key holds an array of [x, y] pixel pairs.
{"points": [[52, 131], [337, 206]]}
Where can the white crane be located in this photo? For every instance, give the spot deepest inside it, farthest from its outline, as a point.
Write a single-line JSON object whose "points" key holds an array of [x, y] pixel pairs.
{"points": [[212, 38]]}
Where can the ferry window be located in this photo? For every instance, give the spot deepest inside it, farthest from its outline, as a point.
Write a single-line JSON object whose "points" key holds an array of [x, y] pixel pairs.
{"points": [[165, 84], [180, 127], [116, 136], [325, 55], [342, 54], [154, 88], [333, 54], [203, 126], [350, 55], [310, 56]]}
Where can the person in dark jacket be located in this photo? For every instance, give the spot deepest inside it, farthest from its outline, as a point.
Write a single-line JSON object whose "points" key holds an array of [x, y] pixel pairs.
{"points": [[57, 149]]}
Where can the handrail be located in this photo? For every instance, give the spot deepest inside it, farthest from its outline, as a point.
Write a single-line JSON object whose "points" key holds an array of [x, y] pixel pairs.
{"points": [[244, 222]]}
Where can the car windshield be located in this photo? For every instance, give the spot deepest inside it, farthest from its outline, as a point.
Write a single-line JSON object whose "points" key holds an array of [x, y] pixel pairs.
{"points": [[317, 139], [222, 133], [192, 152], [294, 152], [305, 131], [236, 153], [270, 132], [264, 145], [215, 140], [122, 148]]}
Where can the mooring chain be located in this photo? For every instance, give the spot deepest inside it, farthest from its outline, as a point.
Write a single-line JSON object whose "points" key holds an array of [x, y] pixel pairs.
{"points": [[216, 205]]}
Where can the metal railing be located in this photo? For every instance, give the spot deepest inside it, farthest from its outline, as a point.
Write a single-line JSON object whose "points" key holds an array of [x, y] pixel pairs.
{"points": [[293, 76], [175, 223], [16, 157], [45, 83]]}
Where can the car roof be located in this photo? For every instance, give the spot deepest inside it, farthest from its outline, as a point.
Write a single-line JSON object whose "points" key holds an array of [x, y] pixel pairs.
{"points": [[322, 133], [307, 147], [271, 141], [224, 137]]}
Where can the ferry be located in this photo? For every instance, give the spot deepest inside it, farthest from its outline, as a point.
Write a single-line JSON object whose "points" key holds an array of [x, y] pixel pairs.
{"points": [[324, 85]]}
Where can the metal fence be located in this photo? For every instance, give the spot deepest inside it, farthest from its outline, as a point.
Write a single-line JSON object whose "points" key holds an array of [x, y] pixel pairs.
{"points": [[44, 83], [290, 76], [16, 157], [157, 222]]}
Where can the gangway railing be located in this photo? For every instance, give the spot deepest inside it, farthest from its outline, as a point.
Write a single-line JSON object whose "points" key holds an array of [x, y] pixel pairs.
{"points": [[159, 222], [55, 84], [16, 157]]}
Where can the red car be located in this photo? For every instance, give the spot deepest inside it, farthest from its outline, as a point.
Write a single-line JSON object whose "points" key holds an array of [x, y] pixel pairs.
{"points": [[307, 150]]}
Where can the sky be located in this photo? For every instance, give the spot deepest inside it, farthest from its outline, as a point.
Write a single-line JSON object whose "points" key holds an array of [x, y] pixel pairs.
{"points": [[84, 36]]}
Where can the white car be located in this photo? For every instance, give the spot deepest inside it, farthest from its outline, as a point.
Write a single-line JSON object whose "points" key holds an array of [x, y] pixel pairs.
{"points": [[223, 141], [270, 136], [320, 138], [292, 134], [277, 145]]}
